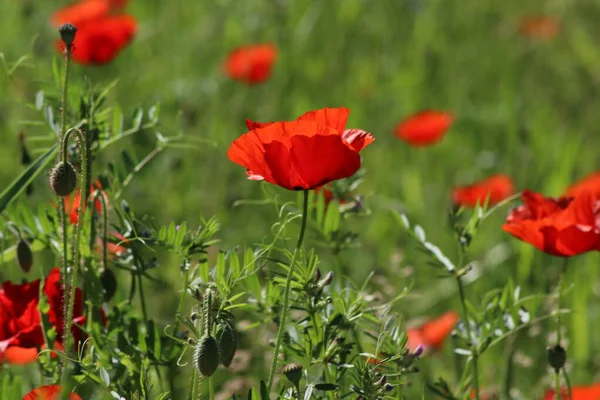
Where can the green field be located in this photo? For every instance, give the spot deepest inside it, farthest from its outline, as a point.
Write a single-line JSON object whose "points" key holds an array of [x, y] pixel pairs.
{"points": [[524, 106]]}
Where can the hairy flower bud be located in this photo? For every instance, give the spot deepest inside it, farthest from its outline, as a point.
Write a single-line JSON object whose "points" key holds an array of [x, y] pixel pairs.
{"points": [[206, 356], [63, 179], [293, 372], [227, 344]]}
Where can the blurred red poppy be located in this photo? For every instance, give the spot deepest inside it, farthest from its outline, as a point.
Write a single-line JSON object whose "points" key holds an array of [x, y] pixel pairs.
{"points": [[498, 187], [424, 128], [303, 154], [432, 333], [20, 324], [112, 248], [566, 227], [331, 195], [99, 41], [72, 205], [539, 27], [590, 183], [81, 12], [48, 392], [591, 392], [251, 64]]}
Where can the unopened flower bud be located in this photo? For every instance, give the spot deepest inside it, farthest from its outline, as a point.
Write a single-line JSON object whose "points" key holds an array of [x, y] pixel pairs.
{"points": [[206, 356], [557, 356], [67, 33], [227, 344], [293, 372], [63, 179], [24, 255], [418, 351]]}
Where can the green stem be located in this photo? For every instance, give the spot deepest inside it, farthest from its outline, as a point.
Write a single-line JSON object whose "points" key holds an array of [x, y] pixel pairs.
{"points": [[557, 385], [461, 292], [211, 389], [70, 298], [561, 282], [568, 381], [286, 294]]}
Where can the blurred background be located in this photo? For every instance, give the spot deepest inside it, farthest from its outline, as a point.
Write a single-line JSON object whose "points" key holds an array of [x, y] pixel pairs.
{"points": [[525, 104]]}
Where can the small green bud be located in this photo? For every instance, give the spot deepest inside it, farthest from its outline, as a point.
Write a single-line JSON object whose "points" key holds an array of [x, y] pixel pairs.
{"points": [[24, 255], [293, 372], [557, 356], [63, 179], [227, 344], [67, 33], [206, 356]]}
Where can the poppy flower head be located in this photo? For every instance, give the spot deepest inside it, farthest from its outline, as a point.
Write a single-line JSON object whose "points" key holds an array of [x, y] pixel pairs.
{"points": [[497, 187], [72, 206], [48, 392], [432, 333], [424, 128], [539, 27], [590, 183], [251, 64], [591, 392], [303, 154], [81, 12], [565, 227]]}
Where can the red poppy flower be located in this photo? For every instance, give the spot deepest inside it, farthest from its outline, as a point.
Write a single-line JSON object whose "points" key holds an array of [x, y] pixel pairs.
{"points": [[20, 325], [497, 187], [564, 227], [48, 392], [590, 183], [591, 392], [72, 206], [81, 12], [303, 154], [539, 27], [424, 128], [113, 249], [251, 64], [432, 333]]}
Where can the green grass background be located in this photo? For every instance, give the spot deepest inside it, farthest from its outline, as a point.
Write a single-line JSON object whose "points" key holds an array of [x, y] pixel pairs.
{"points": [[524, 107]]}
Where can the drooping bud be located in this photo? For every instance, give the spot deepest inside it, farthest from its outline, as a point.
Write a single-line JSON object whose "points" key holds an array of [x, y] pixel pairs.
{"points": [[63, 179], [293, 372], [24, 255], [557, 356], [67, 33], [109, 283], [206, 356], [227, 343]]}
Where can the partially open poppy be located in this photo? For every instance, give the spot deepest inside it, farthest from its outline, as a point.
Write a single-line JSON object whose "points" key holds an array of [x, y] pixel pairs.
{"points": [[591, 392], [432, 333], [497, 187], [303, 154], [251, 64], [539, 27], [590, 183], [48, 392], [566, 227], [424, 128]]}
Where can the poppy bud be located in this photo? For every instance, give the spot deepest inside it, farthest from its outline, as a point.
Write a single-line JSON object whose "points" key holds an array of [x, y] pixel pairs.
{"points": [[227, 344], [24, 255], [63, 179], [293, 372], [206, 356], [67, 33], [557, 356], [109, 283]]}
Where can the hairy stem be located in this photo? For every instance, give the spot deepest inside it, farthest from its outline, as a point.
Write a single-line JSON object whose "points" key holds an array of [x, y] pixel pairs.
{"points": [[474, 355]]}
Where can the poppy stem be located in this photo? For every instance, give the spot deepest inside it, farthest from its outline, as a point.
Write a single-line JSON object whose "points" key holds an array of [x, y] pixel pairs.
{"points": [[474, 355], [286, 293], [83, 195], [559, 335]]}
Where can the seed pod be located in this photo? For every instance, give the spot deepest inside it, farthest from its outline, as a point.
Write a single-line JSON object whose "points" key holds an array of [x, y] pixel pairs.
{"points": [[227, 343], [206, 356], [557, 356], [63, 179], [24, 255], [293, 372]]}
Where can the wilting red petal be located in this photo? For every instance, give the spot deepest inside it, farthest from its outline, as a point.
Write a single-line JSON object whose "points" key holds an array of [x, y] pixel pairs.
{"points": [[81, 12], [424, 128], [48, 392], [251, 64], [591, 392], [539, 27], [432, 333], [497, 187], [590, 183]]}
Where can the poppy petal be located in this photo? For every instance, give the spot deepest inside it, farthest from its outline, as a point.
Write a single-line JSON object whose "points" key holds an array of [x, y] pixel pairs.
{"points": [[357, 138], [48, 392], [333, 117]]}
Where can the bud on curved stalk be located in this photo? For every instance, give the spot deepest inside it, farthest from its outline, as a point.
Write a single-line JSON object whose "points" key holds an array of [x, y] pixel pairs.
{"points": [[63, 179], [24, 255], [206, 356], [227, 344]]}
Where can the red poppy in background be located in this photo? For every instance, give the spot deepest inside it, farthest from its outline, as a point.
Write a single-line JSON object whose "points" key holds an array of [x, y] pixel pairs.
{"points": [[81, 12], [590, 183], [72, 206], [591, 392], [304, 154], [112, 248], [48, 392], [251, 64], [20, 324], [432, 333], [424, 128], [539, 27], [498, 187], [566, 227]]}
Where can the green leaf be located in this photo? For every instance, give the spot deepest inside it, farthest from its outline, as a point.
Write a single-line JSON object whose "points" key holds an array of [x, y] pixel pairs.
{"points": [[327, 387], [17, 187], [105, 377], [264, 393]]}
